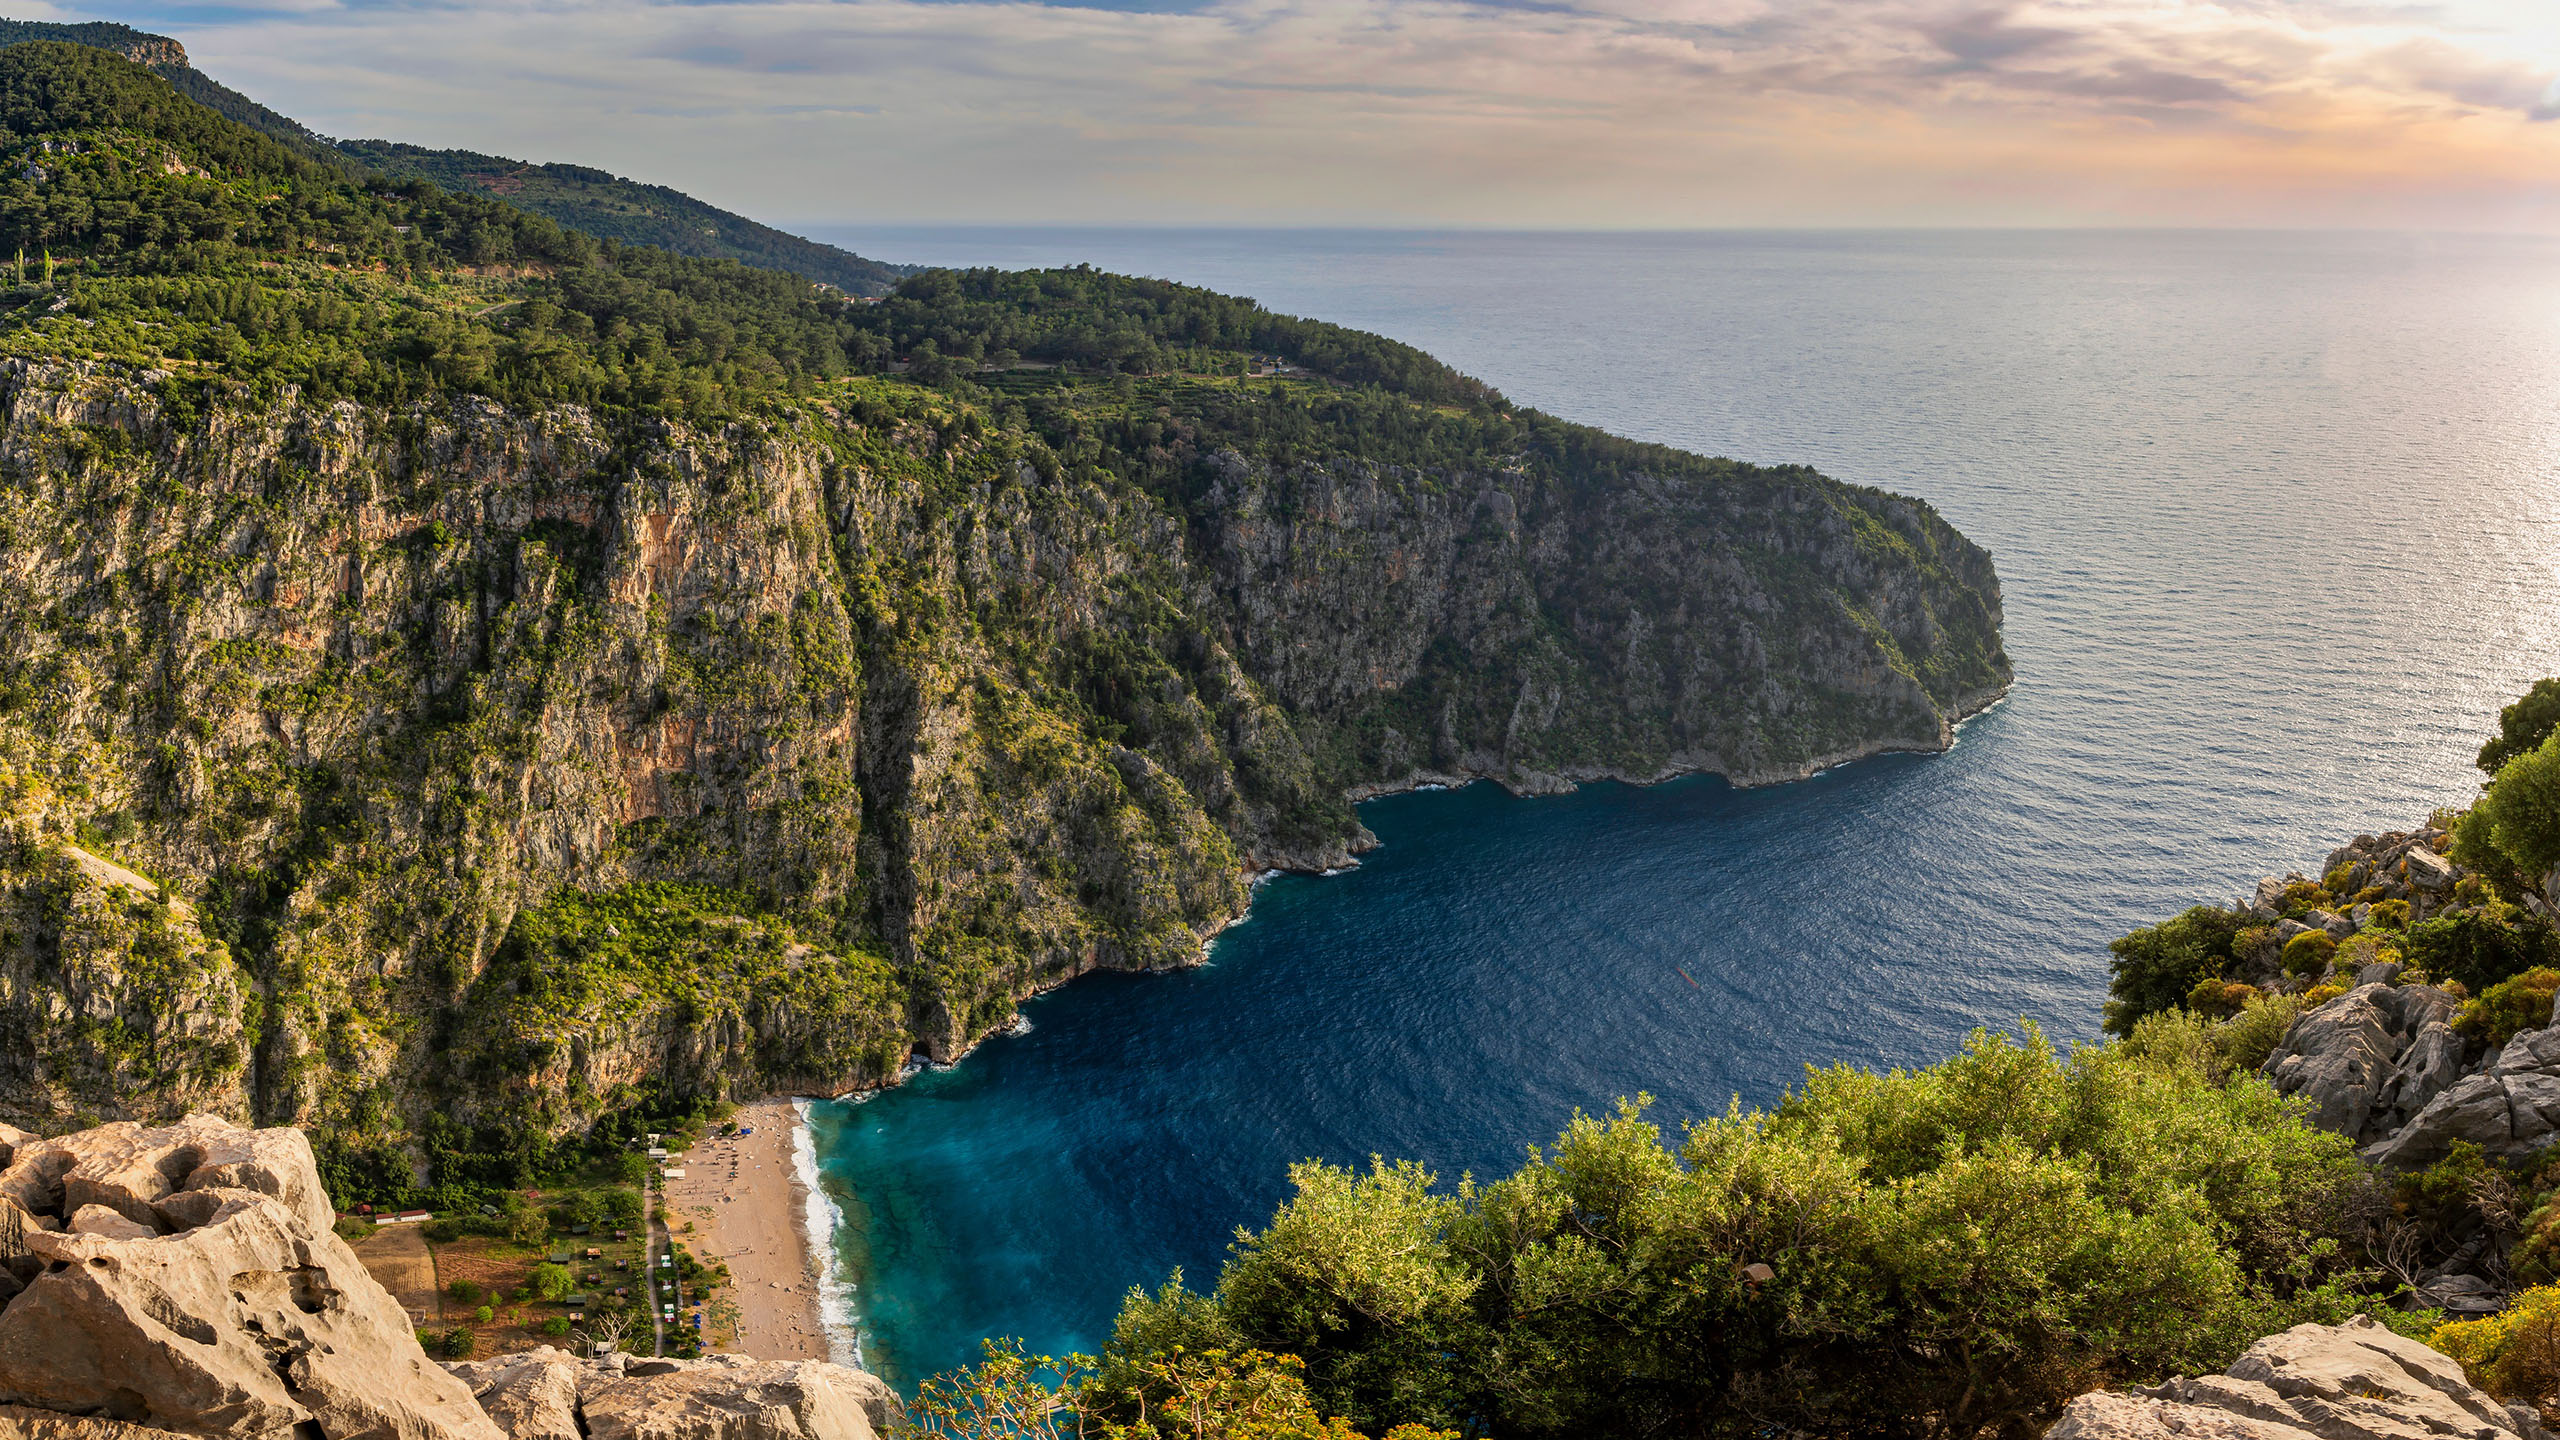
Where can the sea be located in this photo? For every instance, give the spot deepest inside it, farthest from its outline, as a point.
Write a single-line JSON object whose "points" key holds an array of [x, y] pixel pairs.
{"points": [[2276, 518]]}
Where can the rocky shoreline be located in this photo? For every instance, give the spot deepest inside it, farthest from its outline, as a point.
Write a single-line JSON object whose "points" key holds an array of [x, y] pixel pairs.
{"points": [[1345, 854]]}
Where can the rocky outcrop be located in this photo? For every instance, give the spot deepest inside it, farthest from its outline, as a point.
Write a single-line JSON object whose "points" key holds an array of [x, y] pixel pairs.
{"points": [[547, 1394], [2510, 1108], [2371, 1059], [2356, 1381], [185, 1279], [530, 1395]]}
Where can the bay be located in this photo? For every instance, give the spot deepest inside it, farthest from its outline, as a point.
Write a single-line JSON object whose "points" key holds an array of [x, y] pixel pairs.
{"points": [[2275, 518]]}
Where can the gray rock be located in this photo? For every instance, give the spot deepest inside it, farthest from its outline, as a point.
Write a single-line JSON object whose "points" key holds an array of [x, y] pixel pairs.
{"points": [[2355, 1381], [2287, 929], [2428, 870], [2463, 1295], [2510, 1108], [2338, 926], [2385, 973], [2369, 1059]]}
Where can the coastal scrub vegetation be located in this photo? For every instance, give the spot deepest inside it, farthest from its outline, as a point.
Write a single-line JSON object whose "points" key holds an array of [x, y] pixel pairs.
{"points": [[1952, 1251]]}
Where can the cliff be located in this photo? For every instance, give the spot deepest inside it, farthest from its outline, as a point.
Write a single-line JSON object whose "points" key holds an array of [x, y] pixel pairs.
{"points": [[506, 763]]}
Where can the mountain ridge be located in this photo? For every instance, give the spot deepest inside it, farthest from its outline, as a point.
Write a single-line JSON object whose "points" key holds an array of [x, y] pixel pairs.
{"points": [[581, 197]]}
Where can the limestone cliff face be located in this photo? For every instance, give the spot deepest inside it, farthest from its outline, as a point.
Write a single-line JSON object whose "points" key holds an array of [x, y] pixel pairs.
{"points": [[1537, 631], [506, 764]]}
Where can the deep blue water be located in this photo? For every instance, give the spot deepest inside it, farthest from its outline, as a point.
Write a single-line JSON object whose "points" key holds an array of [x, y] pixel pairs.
{"points": [[2277, 522]]}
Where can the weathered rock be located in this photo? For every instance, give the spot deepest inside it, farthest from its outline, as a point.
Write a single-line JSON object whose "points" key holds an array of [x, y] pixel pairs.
{"points": [[730, 1397], [2338, 926], [17, 1422], [2356, 1381], [101, 1220], [2510, 1108], [136, 1171], [532, 1395], [547, 1394], [2380, 973], [234, 1312], [2462, 1295], [2428, 870], [2371, 1058]]}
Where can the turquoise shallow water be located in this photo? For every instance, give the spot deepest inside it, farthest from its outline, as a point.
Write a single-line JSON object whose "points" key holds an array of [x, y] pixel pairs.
{"points": [[2277, 523]]}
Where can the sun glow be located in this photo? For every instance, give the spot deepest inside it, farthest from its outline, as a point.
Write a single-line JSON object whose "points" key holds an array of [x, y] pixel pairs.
{"points": [[1603, 112]]}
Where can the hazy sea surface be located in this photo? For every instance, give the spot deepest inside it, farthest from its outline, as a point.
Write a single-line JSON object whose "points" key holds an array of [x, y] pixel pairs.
{"points": [[2276, 520]]}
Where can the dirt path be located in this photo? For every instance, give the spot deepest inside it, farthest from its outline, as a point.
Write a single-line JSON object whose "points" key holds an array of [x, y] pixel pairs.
{"points": [[397, 1255]]}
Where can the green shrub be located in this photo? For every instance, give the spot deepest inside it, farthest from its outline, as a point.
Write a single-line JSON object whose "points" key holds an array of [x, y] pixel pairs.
{"points": [[551, 1282], [2216, 998], [2510, 1007], [554, 1327], [457, 1343], [2156, 968], [1975, 1242], [2517, 821], [2362, 949], [2309, 953], [2522, 726], [2514, 1354], [2244, 1042], [485, 1314], [2478, 948], [465, 1291], [2389, 915]]}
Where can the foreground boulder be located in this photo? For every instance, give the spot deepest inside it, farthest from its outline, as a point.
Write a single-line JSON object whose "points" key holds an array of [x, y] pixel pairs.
{"points": [[2356, 1381], [547, 1394], [185, 1279]]}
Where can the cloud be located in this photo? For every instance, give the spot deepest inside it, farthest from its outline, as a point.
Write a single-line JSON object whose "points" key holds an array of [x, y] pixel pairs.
{"points": [[1523, 112]]}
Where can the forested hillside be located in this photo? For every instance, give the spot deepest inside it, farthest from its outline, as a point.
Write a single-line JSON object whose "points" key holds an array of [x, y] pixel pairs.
{"points": [[610, 207]]}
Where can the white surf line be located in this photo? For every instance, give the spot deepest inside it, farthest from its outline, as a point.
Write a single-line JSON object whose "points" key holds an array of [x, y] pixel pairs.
{"points": [[821, 1218]]}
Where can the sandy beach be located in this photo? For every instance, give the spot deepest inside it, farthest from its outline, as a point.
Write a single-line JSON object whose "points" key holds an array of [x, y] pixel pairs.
{"points": [[745, 1203]]}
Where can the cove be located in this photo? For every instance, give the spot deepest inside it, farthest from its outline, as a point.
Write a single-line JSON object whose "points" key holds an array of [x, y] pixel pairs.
{"points": [[1498, 963]]}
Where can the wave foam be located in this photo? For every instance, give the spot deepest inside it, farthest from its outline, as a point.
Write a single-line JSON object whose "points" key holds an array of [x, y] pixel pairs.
{"points": [[820, 1219]]}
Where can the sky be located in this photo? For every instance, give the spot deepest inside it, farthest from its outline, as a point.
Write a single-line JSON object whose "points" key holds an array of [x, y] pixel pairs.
{"points": [[1546, 114]]}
